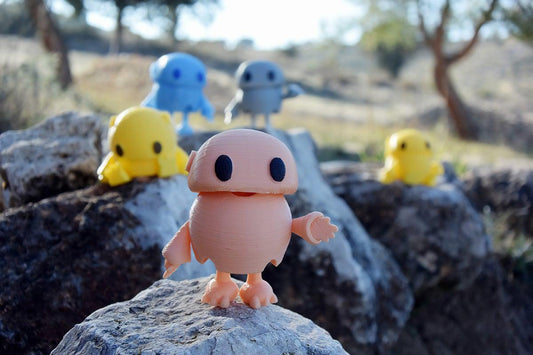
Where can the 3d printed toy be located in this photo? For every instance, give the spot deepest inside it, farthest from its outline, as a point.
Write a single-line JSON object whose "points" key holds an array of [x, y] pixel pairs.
{"points": [[179, 80], [142, 142], [240, 219]]}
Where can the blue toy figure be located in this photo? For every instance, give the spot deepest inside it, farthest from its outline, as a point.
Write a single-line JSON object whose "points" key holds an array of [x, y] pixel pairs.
{"points": [[261, 90], [179, 79]]}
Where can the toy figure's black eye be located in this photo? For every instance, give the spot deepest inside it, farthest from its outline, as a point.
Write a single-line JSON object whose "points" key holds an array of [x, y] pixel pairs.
{"points": [[176, 73], [223, 168], [428, 146], [277, 169], [119, 150], [157, 147], [247, 76], [200, 77], [403, 146], [271, 76]]}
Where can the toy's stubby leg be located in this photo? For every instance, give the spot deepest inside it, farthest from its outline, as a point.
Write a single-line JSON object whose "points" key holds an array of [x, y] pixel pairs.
{"points": [[253, 120], [220, 291], [267, 121], [183, 128], [256, 292]]}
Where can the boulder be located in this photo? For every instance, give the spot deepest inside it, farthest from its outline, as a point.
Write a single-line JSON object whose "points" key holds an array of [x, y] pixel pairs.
{"points": [[504, 194], [60, 154], [434, 233], [168, 318], [64, 257]]}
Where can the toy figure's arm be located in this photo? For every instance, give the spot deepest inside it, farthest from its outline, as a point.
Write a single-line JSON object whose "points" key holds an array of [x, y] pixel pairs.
{"points": [[111, 172], [232, 110], [149, 101], [435, 171], [314, 228], [178, 250], [390, 173], [293, 90], [207, 109], [182, 159]]}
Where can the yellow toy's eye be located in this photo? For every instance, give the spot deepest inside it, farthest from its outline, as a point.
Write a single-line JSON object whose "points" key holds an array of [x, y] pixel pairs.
{"points": [[428, 146], [119, 150], [157, 147], [403, 146]]}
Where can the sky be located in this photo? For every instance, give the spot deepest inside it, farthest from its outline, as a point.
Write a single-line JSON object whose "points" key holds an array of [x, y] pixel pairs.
{"points": [[269, 23]]}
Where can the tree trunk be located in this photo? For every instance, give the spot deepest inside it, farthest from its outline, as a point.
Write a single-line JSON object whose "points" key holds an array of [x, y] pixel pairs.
{"points": [[455, 105], [50, 39], [116, 44], [174, 17]]}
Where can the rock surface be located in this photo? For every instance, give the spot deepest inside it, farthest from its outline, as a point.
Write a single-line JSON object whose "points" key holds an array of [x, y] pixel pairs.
{"points": [[60, 154], [64, 257], [434, 233], [504, 194], [168, 318]]}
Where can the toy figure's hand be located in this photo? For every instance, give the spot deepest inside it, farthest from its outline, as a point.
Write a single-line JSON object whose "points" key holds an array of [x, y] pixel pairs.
{"points": [[314, 228], [321, 228], [177, 251], [293, 90]]}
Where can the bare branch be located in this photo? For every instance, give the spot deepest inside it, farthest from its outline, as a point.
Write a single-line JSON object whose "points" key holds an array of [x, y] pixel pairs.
{"points": [[422, 26], [486, 17]]}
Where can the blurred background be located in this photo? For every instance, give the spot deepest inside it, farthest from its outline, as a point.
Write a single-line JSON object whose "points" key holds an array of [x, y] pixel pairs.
{"points": [[461, 71]]}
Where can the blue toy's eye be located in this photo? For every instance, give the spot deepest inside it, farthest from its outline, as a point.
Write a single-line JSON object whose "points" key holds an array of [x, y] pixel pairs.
{"points": [[247, 76], [271, 76], [176, 73], [200, 77], [223, 168], [118, 150], [277, 169], [157, 147]]}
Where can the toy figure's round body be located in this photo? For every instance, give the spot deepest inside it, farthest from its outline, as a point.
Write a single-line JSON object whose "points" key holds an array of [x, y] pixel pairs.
{"points": [[142, 142], [262, 100], [179, 80], [409, 158], [240, 233]]}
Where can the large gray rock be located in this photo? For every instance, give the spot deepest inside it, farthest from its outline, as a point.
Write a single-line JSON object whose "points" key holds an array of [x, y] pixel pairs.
{"points": [[506, 195], [64, 257], [433, 232], [60, 154], [168, 318]]}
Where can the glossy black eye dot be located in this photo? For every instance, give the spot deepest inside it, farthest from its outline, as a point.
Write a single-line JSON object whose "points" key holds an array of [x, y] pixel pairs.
{"points": [[403, 146], [223, 168], [428, 146], [176, 73], [277, 169], [157, 147], [270, 75], [118, 150], [200, 77], [247, 76]]}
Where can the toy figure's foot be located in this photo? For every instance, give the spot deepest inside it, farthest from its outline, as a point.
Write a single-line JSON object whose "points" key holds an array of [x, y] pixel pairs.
{"points": [[184, 130], [220, 291], [256, 292]]}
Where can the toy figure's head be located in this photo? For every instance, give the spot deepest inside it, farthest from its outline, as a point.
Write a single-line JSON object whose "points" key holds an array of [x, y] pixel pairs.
{"points": [[408, 144], [141, 133], [243, 161], [178, 69], [259, 74]]}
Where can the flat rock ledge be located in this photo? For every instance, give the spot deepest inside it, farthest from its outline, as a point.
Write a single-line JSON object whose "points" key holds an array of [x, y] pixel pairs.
{"points": [[168, 318]]}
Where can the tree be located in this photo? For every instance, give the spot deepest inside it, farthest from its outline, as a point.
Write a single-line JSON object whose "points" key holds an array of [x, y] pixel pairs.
{"points": [[434, 21], [519, 17], [436, 40], [50, 38]]}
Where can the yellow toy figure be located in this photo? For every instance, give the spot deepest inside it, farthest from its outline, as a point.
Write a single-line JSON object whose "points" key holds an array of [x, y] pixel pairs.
{"points": [[142, 142], [409, 158]]}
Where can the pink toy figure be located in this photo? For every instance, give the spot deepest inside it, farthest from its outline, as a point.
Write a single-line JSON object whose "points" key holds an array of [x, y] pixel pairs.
{"points": [[240, 219]]}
